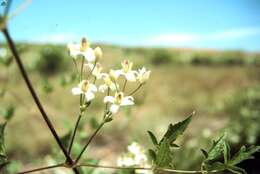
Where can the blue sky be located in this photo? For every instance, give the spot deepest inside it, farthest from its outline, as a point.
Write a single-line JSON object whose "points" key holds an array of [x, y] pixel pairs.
{"points": [[217, 24]]}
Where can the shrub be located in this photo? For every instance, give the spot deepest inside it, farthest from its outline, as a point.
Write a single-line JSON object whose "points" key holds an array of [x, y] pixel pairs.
{"points": [[160, 57], [244, 111], [51, 60]]}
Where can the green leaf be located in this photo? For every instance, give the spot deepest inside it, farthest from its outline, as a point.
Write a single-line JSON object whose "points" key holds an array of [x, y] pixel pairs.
{"points": [[205, 153], [226, 152], [3, 157], [217, 149], [236, 170], [164, 155], [175, 145], [153, 138], [243, 154], [8, 112], [65, 139], [152, 154], [215, 166], [177, 129], [94, 123]]}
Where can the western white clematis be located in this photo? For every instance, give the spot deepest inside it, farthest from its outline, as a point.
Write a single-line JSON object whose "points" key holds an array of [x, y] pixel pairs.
{"points": [[143, 75], [108, 84], [82, 49], [86, 88], [135, 156], [96, 69], [118, 100], [127, 71]]}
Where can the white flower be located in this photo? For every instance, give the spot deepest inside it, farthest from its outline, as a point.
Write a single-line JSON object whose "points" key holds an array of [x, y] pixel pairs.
{"points": [[113, 74], [82, 49], [108, 84], [134, 148], [135, 157], [127, 71], [85, 88], [143, 75], [125, 161], [98, 53], [96, 69], [118, 100]]}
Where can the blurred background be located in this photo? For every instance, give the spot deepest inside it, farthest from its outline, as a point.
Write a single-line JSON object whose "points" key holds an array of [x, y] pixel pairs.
{"points": [[204, 57]]}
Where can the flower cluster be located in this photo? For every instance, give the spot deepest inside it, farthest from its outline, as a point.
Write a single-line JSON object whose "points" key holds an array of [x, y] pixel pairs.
{"points": [[108, 82], [135, 156]]}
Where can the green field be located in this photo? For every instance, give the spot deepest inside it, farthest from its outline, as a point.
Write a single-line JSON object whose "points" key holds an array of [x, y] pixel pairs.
{"points": [[181, 81]]}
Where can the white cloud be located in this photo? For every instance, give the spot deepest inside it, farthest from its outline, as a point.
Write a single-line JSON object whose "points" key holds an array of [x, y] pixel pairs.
{"points": [[58, 38], [184, 39]]}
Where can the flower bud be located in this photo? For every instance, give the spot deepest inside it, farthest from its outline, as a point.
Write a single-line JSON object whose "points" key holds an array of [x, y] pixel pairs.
{"points": [[98, 53]]}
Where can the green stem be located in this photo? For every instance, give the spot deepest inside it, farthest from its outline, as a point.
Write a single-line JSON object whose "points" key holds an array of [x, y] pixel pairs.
{"points": [[124, 85], [92, 69], [134, 91], [42, 168], [108, 92], [145, 168], [35, 96], [89, 141], [74, 133]]}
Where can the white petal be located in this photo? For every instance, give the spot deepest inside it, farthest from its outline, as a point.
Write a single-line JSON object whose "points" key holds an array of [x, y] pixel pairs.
{"points": [[92, 88], [114, 108], [89, 65], [119, 72], [89, 96], [127, 101], [89, 55], [130, 76], [75, 53], [102, 88], [109, 99], [76, 91]]}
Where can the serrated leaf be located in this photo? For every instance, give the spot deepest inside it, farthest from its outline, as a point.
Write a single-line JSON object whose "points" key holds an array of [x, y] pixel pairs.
{"points": [[217, 149], [243, 154], [236, 170], [215, 166], [164, 155], [153, 138], [226, 152], [152, 154], [177, 129]]}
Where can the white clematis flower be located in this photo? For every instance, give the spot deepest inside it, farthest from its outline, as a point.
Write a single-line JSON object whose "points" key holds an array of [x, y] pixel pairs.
{"points": [[96, 69], [86, 88], [108, 84], [143, 75], [127, 71], [118, 100], [82, 49]]}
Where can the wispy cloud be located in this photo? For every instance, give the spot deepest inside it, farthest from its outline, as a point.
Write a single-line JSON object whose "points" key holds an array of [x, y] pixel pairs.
{"points": [[57, 38], [183, 39]]}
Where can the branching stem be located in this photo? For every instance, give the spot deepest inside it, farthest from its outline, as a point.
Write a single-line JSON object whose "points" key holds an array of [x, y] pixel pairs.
{"points": [[89, 141], [35, 97]]}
